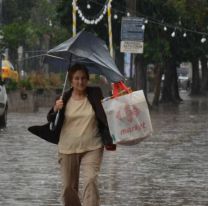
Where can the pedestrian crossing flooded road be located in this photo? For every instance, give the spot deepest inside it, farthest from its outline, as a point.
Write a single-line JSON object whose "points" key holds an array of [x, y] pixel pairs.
{"points": [[168, 169]]}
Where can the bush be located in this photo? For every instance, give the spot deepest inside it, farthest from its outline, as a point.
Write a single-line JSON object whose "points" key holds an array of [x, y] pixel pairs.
{"points": [[41, 80], [11, 85], [25, 83], [55, 80], [38, 80]]}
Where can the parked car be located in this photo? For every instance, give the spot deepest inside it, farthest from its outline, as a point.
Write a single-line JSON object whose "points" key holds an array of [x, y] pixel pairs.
{"points": [[184, 82], [3, 104], [8, 71]]}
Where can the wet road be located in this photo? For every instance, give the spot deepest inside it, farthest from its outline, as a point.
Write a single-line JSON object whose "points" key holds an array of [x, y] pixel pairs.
{"points": [[168, 169]]}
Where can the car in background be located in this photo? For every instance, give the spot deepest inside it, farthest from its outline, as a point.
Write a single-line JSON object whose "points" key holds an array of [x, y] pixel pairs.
{"points": [[184, 80], [3, 104], [8, 72]]}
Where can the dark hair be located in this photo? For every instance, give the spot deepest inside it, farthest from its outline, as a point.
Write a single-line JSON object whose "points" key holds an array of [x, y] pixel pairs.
{"points": [[77, 67]]}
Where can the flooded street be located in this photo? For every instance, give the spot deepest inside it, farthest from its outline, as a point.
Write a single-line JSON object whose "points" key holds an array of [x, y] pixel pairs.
{"points": [[168, 169]]}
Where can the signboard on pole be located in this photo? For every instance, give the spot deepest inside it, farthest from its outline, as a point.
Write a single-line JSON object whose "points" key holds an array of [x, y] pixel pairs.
{"points": [[132, 35]]}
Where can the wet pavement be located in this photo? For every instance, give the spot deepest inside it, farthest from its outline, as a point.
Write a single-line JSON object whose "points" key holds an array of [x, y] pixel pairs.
{"points": [[168, 169]]}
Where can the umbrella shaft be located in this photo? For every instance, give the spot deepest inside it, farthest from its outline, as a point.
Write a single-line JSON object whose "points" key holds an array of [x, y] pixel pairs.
{"points": [[65, 81]]}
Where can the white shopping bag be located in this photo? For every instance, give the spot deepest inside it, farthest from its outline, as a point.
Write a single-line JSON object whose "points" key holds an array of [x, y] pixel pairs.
{"points": [[128, 118]]}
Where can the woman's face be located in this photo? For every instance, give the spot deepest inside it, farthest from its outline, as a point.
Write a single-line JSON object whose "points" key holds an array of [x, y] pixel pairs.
{"points": [[79, 81]]}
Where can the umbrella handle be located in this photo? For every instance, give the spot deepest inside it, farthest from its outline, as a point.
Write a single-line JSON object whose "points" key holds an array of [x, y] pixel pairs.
{"points": [[65, 81], [56, 119], [54, 124]]}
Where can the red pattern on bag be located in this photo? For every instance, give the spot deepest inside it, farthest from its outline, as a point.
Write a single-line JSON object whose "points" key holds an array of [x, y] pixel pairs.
{"points": [[130, 113]]}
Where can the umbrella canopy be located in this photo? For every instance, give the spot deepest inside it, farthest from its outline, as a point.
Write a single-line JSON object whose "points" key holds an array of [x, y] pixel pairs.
{"points": [[89, 50]]}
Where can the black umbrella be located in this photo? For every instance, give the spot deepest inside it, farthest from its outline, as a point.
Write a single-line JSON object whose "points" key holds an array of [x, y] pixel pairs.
{"points": [[88, 49]]}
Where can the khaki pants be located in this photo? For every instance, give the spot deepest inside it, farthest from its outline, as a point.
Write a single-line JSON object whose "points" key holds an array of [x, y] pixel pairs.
{"points": [[70, 169]]}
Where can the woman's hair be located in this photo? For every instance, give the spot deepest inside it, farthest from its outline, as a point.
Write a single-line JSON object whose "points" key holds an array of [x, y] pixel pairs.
{"points": [[77, 67]]}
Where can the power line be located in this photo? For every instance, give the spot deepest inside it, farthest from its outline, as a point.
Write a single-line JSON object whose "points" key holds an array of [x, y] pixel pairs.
{"points": [[153, 20]]}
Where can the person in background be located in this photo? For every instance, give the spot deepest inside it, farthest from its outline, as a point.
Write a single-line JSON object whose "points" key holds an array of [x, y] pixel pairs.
{"points": [[84, 134]]}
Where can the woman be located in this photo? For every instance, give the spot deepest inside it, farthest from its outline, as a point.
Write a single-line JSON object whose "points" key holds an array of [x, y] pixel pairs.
{"points": [[83, 134]]}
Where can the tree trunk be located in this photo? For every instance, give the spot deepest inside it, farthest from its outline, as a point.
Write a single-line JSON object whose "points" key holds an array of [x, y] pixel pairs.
{"points": [[140, 75], [157, 83], [204, 83], [175, 88], [167, 84], [195, 86], [170, 93]]}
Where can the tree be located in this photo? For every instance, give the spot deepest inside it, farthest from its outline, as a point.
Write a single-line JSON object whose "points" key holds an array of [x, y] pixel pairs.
{"points": [[159, 49], [13, 10], [193, 15], [183, 13], [31, 24]]}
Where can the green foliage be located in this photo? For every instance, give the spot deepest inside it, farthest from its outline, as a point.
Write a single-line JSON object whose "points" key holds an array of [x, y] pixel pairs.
{"points": [[25, 83], [36, 81], [190, 14], [14, 10], [32, 24], [14, 34], [11, 85], [156, 51]]}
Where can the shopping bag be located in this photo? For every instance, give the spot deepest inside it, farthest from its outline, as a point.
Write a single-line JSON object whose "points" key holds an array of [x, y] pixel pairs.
{"points": [[128, 116]]}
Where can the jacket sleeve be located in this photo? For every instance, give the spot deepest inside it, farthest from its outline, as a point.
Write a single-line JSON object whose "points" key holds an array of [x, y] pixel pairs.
{"points": [[51, 115]]}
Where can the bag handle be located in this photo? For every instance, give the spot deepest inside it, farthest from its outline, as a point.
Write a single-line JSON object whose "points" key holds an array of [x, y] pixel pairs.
{"points": [[119, 88]]}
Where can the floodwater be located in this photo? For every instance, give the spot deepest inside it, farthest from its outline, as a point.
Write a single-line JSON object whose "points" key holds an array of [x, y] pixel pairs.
{"points": [[168, 169]]}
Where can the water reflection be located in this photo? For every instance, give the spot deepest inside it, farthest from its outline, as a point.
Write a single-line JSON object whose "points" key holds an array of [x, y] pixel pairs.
{"points": [[168, 169]]}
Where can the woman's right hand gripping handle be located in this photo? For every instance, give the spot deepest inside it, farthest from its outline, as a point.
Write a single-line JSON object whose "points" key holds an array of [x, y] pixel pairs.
{"points": [[58, 105]]}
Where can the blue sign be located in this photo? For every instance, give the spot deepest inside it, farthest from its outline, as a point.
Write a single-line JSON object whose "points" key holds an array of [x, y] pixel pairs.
{"points": [[131, 29]]}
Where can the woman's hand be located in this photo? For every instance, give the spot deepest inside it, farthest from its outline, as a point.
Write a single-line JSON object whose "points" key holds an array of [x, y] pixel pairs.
{"points": [[110, 147], [58, 105]]}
